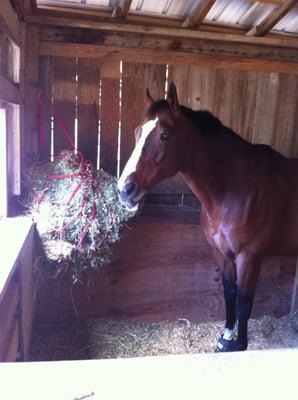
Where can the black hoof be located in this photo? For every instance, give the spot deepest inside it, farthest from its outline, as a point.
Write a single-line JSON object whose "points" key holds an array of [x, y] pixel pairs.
{"points": [[224, 346]]}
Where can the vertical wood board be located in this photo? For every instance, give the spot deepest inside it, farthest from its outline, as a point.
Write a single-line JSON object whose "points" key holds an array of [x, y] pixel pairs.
{"points": [[109, 116], [64, 102], [27, 293], [88, 107], [46, 85], [284, 134], [266, 108], [244, 105]]}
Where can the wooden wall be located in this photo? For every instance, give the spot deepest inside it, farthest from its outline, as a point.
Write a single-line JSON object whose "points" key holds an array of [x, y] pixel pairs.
{"points": [[261, 106], [162, 271]]}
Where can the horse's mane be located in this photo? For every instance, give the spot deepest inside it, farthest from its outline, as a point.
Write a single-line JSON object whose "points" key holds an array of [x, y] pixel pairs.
{"points": [[205, 122]]}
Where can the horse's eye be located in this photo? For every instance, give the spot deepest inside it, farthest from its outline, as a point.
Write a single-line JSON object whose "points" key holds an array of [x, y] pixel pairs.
{"points": [[164, 136]]}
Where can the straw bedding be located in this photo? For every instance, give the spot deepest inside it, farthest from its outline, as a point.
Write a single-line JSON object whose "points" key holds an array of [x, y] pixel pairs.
{"points": [[110, 338]]}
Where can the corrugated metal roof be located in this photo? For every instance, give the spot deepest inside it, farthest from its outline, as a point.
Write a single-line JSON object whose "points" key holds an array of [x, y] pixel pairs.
{"points": [[230, 13], [288, 23], [167, 8]]}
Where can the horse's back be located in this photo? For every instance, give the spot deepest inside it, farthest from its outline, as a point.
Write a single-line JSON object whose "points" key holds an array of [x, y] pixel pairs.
{"points": [[278, 178]]}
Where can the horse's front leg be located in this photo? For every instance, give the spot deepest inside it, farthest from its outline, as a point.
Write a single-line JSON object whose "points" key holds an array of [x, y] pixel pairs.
{"points": [[248, 269]]}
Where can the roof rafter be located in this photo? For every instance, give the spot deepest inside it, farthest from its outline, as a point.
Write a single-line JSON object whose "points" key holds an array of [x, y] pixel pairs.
{"points": [[272, 19], [199, 13], [121, 10]]}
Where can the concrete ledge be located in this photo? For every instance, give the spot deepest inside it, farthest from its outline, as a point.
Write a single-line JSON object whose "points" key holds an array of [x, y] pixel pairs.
{"points": [[252, 374]]}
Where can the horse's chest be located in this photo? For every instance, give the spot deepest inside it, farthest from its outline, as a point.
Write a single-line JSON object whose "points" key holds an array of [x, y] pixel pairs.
{"points": [[218, 234]]}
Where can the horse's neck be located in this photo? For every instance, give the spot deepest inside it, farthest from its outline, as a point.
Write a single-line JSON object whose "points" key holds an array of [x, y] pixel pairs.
{"points": [[212, 171]]}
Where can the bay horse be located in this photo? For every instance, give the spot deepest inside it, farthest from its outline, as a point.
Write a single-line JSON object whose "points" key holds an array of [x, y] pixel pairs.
{"points": [[248, 195]]}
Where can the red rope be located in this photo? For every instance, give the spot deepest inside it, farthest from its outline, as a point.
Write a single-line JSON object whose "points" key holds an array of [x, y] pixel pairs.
{"points": [[85, 173], [43, 97]]}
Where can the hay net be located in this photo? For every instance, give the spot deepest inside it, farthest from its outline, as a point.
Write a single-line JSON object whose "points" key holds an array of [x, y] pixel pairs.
{"points": [[77, 213]]}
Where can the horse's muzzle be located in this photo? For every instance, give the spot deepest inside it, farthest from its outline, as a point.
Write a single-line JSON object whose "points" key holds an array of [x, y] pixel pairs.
{"points": [[127, 194]]}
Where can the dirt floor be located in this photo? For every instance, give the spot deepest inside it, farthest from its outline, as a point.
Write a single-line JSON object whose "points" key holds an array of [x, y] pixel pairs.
{"points": [[109, 338]]}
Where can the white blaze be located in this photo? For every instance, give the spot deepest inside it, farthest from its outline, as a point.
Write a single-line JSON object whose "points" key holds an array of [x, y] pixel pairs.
{"points": [[132, 163]]}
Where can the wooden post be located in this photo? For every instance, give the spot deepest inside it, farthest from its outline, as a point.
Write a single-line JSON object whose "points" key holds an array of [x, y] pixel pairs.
{"points": [[29, 91], [9, 20]]}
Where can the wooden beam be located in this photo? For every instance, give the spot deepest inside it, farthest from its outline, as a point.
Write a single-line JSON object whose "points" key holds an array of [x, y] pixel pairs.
{"points": [[9, 20], [272, 19], [135, 41], [107, 54], [9, 92], [23, 7], [121, 10], [149, 31], [199, 13]]}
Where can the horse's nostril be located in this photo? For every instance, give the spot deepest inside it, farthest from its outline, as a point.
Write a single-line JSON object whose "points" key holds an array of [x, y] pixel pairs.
{"points": [[130, 188]]}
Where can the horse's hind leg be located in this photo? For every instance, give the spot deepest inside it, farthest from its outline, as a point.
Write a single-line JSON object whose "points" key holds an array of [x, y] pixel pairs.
{"points": [[248, 269]]}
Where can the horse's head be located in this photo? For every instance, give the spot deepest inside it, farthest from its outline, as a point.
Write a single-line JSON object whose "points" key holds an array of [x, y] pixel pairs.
{"points": [[155, 156]]}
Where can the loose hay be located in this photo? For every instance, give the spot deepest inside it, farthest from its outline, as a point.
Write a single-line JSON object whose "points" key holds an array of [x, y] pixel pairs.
{"points": [[109, 338]]}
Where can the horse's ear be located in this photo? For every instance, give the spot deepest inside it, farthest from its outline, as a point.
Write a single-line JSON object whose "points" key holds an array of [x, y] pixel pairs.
{"points": [[172, 97], [149, 99]]}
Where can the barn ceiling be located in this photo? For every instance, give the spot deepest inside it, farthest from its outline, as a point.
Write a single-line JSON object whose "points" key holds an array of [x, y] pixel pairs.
{"points": [[251, 17]]}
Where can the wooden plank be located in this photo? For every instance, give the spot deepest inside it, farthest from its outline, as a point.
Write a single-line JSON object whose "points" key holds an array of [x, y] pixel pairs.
{"points": [[272, 18], [8, 313], [284, 132], [9, 20], [223, 96], [173, 57], [266, 106], [195, 86], [110, 116], [27, 294], [46, 74], [199, 13], [88, 107], [65, 103], [162, 31], [244, 105], [12, 353], [9, 92]]}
